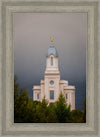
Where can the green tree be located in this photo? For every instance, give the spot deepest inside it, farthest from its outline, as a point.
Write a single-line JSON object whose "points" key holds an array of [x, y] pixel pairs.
{"points": [[42, 111], [62, 112], [77, 116], [52, 117], [23, 106]]}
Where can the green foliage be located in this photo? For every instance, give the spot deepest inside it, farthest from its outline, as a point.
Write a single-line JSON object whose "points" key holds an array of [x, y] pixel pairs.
{"points": [[23, 106], [77, 116], [84, 114], [63, 113], [41, 111], [28, 111], [52, 117]]}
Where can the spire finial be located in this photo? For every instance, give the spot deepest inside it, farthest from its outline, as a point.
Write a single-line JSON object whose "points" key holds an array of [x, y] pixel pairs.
{"points": [[51, 39]]}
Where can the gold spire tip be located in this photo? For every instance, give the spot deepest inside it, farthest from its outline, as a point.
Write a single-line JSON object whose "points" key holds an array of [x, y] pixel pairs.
{"points": [[51, 39]]}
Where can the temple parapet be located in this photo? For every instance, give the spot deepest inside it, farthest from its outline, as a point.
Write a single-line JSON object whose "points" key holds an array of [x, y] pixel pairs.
{"points": [[36, 87]]}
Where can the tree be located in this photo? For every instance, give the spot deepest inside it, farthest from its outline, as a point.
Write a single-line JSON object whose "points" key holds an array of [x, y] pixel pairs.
{"points": [[21, 103], [52, 118], [62, 112], [77, 116], [42, 111]]}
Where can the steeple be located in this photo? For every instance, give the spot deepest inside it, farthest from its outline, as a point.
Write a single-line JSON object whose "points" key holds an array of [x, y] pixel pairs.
{"points": [[52, 60]]}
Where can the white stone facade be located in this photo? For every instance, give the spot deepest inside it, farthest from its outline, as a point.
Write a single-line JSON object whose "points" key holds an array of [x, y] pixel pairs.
{"points": [[52, 86]]}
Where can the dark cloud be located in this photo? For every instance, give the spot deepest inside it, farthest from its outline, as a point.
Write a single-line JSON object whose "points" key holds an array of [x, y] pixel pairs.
{"points": [[32, 39]]}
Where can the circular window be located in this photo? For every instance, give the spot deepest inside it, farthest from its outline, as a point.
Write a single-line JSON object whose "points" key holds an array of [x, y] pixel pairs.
{"points": [[51, 82]]}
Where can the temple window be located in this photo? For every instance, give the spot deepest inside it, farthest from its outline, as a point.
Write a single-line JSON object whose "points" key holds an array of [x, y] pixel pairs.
{"points": [[37, 96], [51, 94], [66, 96], [51, 61]]}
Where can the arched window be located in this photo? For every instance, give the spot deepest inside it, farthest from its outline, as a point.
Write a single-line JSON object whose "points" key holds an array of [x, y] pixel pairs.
{"points": [[51, 61]]}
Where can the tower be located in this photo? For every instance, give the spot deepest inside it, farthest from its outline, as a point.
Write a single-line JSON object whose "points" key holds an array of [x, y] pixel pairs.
{"points": [[52, 74]]}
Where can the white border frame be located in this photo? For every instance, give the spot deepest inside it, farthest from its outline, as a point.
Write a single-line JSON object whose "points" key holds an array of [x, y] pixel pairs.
{"points": [[7, 125]]}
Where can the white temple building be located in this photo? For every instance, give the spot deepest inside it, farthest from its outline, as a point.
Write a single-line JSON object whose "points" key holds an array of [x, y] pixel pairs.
{"points": [[52, 86]]}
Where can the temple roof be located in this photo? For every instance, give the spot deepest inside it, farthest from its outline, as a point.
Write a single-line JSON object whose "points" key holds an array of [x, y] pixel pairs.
{"points": [[52, 50]]}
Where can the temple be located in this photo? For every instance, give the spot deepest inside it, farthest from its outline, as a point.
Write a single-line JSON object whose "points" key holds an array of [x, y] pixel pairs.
{"points": [[52, 86]]}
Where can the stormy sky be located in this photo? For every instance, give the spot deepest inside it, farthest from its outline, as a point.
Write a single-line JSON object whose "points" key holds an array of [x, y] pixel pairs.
{"points": [[32, 32]]}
